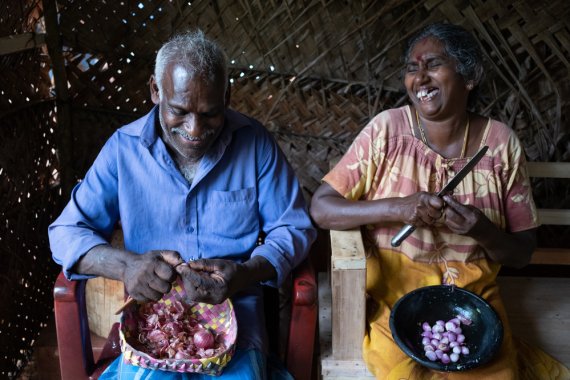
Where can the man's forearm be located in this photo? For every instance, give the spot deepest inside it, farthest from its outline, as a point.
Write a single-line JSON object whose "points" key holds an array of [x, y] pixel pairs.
{"points": [[104, 260], [259, 269]]}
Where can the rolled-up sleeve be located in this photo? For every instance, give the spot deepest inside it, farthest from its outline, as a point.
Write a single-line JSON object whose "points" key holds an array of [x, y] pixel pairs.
{"points": [[283, 213], [90, 216]]}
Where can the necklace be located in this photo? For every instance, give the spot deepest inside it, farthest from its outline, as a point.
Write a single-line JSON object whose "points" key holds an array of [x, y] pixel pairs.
{"points": [[424, 139]]}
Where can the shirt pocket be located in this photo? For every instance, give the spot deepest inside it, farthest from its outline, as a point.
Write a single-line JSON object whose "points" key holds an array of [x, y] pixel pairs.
{"points": [[231, 214]]}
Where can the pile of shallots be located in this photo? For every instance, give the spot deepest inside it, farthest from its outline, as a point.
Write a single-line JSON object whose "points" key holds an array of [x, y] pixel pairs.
{"points": [[445, 341], [170, 331]]}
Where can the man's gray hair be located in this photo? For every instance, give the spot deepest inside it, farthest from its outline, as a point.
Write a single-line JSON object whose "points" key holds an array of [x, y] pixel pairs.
{"points": [[200, 55]]}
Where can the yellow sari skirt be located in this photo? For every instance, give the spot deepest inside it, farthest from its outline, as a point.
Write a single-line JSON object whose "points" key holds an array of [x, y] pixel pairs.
{"points": [[391, 275]]}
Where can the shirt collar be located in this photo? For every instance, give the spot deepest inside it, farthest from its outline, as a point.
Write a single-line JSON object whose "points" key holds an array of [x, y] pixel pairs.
{"points": [[233, 121], [149, 132]]}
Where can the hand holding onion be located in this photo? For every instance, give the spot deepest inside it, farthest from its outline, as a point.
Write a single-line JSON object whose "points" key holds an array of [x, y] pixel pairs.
{"points": [[149, 276], [210, 280]]}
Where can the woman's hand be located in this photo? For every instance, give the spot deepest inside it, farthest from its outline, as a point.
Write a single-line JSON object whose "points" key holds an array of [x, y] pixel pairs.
{"points": [[149, 276], [421, 209], [465, 220], [511, 249]]}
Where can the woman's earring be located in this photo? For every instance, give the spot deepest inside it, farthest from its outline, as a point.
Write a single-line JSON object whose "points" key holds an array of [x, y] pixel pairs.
{"points": [[470, 85]]}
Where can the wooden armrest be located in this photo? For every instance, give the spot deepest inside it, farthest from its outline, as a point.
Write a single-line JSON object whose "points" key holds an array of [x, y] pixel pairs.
{"points": [[348, 287], [347, 250], [304, 285], [72, 328], [551, 256], [303, 322]]}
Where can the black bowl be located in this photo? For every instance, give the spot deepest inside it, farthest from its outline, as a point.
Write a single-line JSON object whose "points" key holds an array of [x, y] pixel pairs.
{"points": [[483, 337]]}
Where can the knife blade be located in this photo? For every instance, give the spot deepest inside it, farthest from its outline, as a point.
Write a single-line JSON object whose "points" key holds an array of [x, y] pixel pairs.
{"points": [[452, 184]]}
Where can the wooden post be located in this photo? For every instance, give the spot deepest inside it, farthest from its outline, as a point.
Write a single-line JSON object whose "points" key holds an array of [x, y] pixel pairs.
{"points": [[342, 309], [348, 285], [63, 103]]}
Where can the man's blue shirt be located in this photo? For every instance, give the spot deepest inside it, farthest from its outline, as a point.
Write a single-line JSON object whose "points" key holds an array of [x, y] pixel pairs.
{"points": [[243, 186]]}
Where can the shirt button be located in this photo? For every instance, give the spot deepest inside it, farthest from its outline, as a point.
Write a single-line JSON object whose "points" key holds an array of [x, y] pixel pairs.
{"points": [[190, 229]]}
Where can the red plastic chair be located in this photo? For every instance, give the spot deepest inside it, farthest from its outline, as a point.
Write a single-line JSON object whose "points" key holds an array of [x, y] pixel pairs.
{"points": [[76, 358]]}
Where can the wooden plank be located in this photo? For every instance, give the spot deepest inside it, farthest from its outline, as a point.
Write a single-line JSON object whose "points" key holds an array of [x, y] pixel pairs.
{"points": [[554, 216], [551, 256], [535, 307], [103, 298], [549, 169], [349, 310], [20, 42], [329, 367], [347, 250], [325, 317], [539, 312], [348, 283]]}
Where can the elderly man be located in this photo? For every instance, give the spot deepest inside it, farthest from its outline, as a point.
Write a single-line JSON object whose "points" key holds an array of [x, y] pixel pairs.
{"points": [[193, 184]]}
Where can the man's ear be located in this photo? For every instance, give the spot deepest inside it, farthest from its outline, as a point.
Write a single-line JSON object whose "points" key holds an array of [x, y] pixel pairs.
{"points": [[154, 91], [228, 94]]}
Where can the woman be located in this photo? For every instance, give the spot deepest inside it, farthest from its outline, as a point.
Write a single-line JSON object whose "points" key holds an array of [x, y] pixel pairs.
{"points": [[389, 177]]}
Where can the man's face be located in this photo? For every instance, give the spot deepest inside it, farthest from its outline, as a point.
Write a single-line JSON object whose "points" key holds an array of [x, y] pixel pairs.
{"points": [[191, 111]]}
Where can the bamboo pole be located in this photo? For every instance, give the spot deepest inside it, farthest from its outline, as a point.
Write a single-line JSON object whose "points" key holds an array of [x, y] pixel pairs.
{"points": [[63, 100]]}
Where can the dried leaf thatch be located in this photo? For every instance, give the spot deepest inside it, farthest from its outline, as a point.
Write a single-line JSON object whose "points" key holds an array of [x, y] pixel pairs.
{"points": [[314, 71]]}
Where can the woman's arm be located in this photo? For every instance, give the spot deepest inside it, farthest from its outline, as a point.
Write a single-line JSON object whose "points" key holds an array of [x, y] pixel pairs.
{"points": [[510, 249], [330, 210]]}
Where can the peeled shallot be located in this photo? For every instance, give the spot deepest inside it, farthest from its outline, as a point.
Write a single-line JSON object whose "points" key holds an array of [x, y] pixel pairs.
{"points": [[445, 341]]}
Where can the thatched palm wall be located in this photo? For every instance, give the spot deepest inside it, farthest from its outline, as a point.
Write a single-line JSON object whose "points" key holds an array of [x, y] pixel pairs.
{"points": [[313, 71]]}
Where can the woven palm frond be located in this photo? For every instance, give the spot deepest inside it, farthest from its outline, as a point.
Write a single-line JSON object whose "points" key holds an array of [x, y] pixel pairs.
{"points": [[313, 71]]}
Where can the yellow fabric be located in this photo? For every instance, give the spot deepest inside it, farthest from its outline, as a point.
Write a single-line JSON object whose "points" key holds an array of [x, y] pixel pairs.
{"points": [[516, 359], [386, 160]]}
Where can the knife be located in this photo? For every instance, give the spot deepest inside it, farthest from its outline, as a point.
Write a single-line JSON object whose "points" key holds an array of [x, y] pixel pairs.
{"points": [[408, 228]]}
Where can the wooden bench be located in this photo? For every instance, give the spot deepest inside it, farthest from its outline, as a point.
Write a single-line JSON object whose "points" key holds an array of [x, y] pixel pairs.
{"points": [[559, 170], [535, 305]]}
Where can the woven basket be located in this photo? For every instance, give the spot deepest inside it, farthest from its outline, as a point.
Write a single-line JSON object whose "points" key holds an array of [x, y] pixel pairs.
{"points": [[220, 319]]}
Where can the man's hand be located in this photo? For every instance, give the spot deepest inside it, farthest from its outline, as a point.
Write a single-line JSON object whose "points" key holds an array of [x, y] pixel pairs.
{"points": [[149, 276], [212, 280]]}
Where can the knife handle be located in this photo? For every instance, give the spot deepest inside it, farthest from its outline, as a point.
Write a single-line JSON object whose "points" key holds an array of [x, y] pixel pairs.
{"points": [[402, 235]]}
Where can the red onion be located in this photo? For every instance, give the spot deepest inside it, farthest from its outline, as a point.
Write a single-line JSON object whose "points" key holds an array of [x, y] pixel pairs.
{"points": [[204, 339]]}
